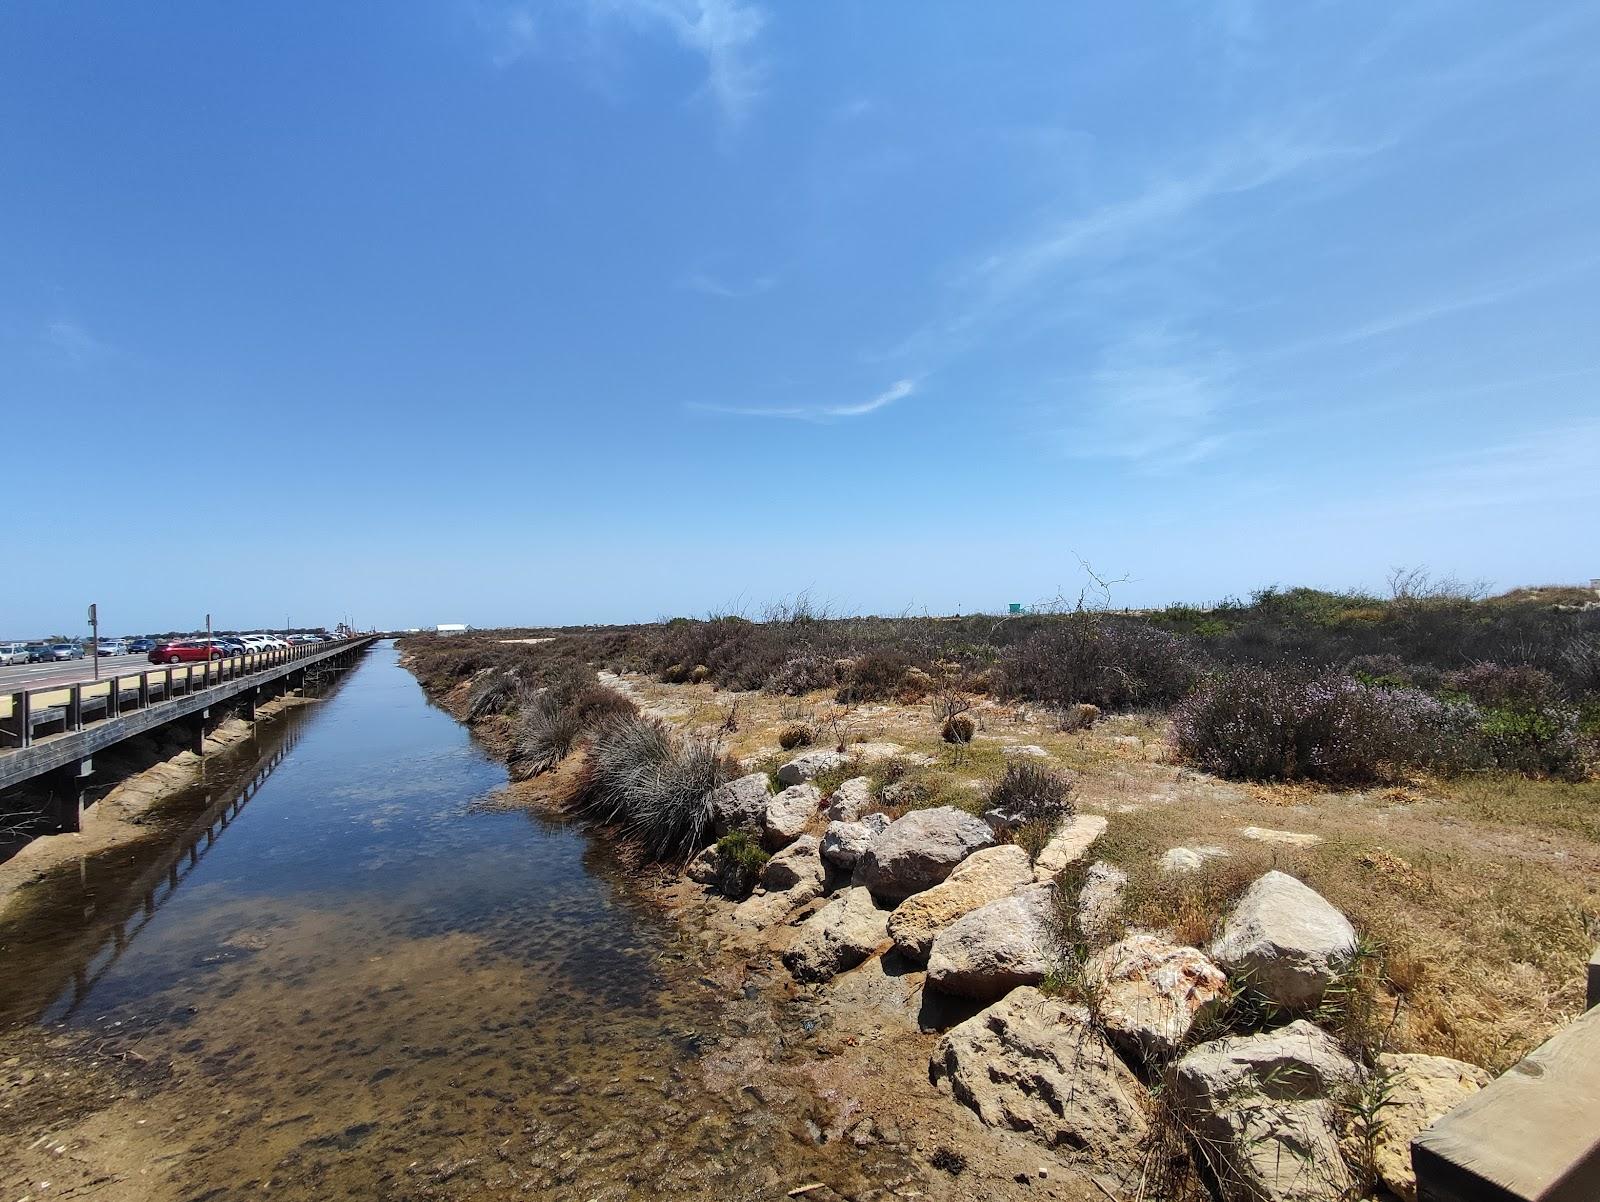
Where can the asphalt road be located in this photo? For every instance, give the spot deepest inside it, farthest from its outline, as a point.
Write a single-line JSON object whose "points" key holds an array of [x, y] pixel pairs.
{"points": [[33, 676]]}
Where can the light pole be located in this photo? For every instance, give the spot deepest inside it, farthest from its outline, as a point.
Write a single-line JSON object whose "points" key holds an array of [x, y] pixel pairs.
{"points": [[94, 623]]}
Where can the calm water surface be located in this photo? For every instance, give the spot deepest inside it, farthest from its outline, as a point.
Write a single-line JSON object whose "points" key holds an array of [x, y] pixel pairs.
{"points": [[365, 984]]}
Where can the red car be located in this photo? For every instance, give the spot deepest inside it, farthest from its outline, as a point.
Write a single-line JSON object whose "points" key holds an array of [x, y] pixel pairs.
{"points": [[181, 651]]}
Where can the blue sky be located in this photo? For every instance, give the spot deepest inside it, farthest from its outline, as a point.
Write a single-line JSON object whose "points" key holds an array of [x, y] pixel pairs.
{"points": [[609, 309]]}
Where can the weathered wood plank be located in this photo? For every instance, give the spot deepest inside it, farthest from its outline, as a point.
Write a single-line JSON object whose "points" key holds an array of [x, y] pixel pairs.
{"points": [[1531, 1136]]}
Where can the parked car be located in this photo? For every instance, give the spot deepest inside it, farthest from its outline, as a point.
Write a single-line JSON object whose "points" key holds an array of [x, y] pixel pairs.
{"points": [[184, 651], [110, 647], [230, 644], [38, 652], [13, 653], [141, 646], [59, 652]]}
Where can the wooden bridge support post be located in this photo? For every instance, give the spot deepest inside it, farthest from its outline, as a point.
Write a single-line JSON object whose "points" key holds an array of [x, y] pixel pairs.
{"points": [[197, 731], [68, 785]]}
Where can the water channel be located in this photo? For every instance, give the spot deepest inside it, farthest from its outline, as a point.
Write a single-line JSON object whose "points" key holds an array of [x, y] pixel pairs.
{"points": [[336, 973]]}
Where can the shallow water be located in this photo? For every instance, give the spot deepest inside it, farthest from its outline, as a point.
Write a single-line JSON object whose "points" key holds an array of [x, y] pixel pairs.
{"points": [[356, 981]]}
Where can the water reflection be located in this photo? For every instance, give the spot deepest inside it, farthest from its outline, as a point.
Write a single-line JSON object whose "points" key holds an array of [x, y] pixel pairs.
{"points": [[359, 981]]}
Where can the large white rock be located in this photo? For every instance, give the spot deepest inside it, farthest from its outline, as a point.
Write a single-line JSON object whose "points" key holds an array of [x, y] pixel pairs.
{"points": [[740, 804], [919, 850], [1068, 845], [810, 764], [1417, 1092], [837, 937], [1036, 1064], [1100, 900], [1285, 941], [991, 950], [1267, 1110], [788, 814], [795, 866], [850, 800], [790, 879], [846, 842], [1149, 992], [983, 877], [1188, 859]]}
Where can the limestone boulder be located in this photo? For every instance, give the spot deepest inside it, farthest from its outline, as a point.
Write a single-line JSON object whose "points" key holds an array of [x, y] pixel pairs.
{"points": [[850, 800], [1036, 1065], [918, 851], [788, 814], [1268, 1109], [1100, 899], [1286, 941], [983, 877], [705, 866], [990, 951], [841, 935], [1068, 845], [1151, 992], [796, 866], [740, 805], [1417, 1091], [1188, 859], [846, 842], [810, 764]]}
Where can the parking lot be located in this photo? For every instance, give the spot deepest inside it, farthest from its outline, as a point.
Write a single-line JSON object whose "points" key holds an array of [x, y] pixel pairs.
{"points": [[33, 676]]}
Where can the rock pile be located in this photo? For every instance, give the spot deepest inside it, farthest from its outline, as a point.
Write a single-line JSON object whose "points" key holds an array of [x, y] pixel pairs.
{"points": [[1270, 1111]]}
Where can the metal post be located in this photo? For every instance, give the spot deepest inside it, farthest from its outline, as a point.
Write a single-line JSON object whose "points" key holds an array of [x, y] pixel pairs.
{"points": [[94, 624]]}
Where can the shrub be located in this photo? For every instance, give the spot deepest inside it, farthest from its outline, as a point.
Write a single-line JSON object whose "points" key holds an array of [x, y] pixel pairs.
{"points": [[1077, 717], [651, 785], [700, 675], [875, 676], [797, 735], [496, 692], [1262, 724], [1113, 664], [1032, 801], [804, 674], [1493, 686], [957, 729], [739, 863]]}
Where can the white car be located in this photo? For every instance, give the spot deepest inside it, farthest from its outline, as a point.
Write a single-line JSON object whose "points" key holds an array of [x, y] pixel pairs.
{"points": [[13, 653]]}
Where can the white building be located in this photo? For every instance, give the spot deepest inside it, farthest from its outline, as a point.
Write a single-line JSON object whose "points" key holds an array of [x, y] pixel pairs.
{"points": [[450, 628]]}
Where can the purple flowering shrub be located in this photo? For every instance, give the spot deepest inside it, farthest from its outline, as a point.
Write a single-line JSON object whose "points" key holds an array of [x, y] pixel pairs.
{"points": [[1264, 724]]}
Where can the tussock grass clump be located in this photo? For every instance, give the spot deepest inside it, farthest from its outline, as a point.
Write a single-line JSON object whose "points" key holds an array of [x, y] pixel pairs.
{"points": [[554, 721], [1032, 801], [496, 692], [652, 786], [957, 729], [796, 735]]}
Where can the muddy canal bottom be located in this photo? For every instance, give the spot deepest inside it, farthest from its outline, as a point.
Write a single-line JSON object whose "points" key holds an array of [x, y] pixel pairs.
{"points": [[368, 986]]}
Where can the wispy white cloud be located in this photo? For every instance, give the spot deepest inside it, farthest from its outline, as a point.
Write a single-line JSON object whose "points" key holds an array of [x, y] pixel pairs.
{"points": [[513, 32], [710, 285], [74, 343], [1549, 466], [1155, 401], [724, 33], [897, 391]]}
